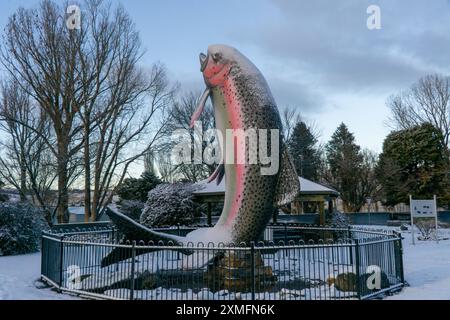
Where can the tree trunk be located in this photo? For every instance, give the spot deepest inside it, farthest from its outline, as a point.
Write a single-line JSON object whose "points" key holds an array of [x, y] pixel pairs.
{"points": [[23, 179], [62, 211], [95, 200], [88, 214]]}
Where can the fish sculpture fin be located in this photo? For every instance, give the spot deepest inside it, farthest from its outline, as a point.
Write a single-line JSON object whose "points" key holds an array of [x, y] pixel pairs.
{"points": [[200, 107], [217, 174], [133, 230], [288, 185]]}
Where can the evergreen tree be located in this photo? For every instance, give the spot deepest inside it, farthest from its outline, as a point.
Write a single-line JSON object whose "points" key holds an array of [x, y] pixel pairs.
{"points": [[137, 189], [414, 161], [302, 146], [345, 161]]}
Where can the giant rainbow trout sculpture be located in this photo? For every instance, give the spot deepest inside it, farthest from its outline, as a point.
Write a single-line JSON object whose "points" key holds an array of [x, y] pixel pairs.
{"points": [[242, 100]]}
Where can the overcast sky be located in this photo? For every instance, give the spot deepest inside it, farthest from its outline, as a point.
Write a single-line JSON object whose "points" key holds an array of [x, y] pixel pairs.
{"points": [[317, 56]]}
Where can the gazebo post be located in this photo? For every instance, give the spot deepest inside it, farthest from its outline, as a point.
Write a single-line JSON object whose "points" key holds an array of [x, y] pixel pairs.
{"points": [[321, 213], [330, 207], [209, 214]]}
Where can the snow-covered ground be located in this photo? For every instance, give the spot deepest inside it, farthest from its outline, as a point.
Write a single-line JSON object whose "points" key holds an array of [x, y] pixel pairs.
{"points": [[19, 277], [427, 269], [426, 265]]}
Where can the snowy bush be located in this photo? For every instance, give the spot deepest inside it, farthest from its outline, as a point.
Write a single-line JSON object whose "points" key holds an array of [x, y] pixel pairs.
{"points": [[20, 228], [426, 228], [4, 198], [132, 208], [169, 205], [339, 220]]}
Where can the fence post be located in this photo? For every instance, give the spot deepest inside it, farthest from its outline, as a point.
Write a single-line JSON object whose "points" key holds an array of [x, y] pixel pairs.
{"points": [[357, 264], [349, 236], [285, 233], [61, 261], [44, 253], [400, 257], [133, 259], [253, 269]]}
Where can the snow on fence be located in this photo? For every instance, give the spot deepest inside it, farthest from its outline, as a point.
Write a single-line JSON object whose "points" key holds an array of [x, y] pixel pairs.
{"points": [[291, 263]]}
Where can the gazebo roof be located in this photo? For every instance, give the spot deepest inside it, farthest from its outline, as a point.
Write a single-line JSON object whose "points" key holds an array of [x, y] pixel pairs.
{"points": [[307, 187]]}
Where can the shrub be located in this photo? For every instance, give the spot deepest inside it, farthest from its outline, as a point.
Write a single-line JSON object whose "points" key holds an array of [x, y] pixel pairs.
{"points": [[339, 220], [21, 226], [4, 198], [427, 228], [169, 205]]}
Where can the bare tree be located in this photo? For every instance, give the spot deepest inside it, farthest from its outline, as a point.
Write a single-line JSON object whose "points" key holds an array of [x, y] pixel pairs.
{"points": [[41, 54], [26, 163], [428, 100], [131, 124], [165, 167], [120, 104], [101, 105], [179, 118], [290, 117]]}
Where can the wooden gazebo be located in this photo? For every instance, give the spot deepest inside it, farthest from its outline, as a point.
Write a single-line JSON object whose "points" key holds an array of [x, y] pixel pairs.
{"points": [[310, 193]]}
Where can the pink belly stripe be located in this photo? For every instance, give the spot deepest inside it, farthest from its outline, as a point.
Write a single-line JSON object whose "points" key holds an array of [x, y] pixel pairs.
{"points": [[234, 109]]}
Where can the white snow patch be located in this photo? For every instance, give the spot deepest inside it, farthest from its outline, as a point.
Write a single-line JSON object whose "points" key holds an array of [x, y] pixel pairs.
{"points": [[18, 275]]}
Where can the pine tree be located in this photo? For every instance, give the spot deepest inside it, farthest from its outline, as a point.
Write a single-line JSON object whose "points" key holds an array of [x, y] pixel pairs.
{"points": [[345, 161], [137, 189], [302, 147]]}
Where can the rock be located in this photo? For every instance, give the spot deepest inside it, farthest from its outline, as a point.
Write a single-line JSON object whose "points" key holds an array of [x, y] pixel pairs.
{"points": [[347, 282], [404, 227], [233, 272]]}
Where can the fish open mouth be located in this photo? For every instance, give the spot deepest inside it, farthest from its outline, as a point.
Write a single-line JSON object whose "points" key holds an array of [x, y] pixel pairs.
{"points": [[203, 61]]}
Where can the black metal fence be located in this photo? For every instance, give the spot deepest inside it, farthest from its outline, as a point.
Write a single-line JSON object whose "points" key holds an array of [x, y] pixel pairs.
{"points": [[291, 262]]}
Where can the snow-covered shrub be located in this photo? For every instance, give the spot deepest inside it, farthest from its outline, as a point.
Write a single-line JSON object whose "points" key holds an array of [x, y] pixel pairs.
{"points": [[339, 220], [21, 226], [169, 205], [4, 198], [426, 228], [132, 208]]}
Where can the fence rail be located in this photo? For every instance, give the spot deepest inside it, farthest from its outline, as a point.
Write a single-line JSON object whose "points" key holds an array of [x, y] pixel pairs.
{"points": [[291, 262]]}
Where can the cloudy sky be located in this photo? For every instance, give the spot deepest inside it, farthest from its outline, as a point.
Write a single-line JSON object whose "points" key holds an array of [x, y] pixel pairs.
{"points": [[318, 56]]}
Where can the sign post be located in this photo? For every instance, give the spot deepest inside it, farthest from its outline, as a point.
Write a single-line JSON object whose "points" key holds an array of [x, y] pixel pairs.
{"points": [[369, 201], [423, 209]]}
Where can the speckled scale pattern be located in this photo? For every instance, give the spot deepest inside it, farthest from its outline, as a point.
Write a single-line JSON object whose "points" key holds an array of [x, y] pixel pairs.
{"points": [[258, 111]]}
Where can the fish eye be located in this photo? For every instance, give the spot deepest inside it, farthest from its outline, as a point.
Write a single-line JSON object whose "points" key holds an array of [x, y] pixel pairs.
{"points": [[216, 56]]}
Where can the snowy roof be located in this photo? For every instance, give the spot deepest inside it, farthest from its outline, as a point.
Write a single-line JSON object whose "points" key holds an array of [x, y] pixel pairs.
{"points": [[306, 187]]}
